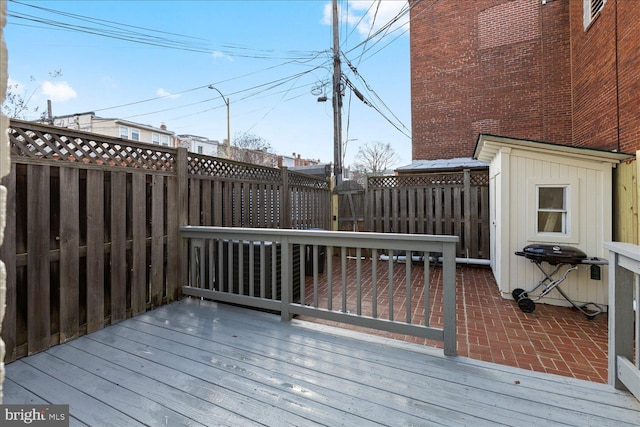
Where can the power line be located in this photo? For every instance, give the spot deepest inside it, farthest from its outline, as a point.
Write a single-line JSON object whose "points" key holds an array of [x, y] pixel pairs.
{"points": [[131, 33]]}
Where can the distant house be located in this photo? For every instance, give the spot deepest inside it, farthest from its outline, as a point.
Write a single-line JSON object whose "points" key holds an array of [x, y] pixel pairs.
{"points": [[117, 128], [295, 160], [202, 145]]}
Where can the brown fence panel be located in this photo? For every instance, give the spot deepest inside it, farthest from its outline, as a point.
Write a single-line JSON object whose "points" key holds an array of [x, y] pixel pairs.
{"points": [[69, 253], [234, 194], [436, 203], [351, 207], [8, 255], [86, 216], [95, 258], [38, 258], [92, 226]]}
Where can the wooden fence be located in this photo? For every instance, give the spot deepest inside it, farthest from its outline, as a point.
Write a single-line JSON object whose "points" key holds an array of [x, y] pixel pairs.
{"points": [[626, 196], [92, 226], [454, 203]]}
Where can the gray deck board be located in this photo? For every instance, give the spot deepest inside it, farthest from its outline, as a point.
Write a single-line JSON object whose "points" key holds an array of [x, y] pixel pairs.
{"points": [[201, 363]]}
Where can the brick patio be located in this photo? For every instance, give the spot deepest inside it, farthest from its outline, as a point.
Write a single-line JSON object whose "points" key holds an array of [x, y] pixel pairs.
{"points": [[552, 339]]}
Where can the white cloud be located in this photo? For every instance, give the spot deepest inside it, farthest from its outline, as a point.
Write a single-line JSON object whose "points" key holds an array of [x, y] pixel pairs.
{"points": [[107, 80], [361, 13], [217, 54], [164, 93], [58, 91]]}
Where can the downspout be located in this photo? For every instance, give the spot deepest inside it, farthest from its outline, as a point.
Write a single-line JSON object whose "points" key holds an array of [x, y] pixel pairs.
{"points": [[617, 73]]}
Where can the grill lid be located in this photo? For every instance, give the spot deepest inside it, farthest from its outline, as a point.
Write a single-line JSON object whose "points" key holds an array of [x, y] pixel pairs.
{"points": [[553, 254]]}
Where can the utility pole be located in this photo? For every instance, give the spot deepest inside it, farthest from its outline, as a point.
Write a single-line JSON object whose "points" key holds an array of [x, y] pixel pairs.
{"points": [[337, 99]]}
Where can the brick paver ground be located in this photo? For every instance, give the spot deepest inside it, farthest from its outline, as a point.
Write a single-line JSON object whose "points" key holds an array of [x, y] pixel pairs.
{"points": [[552, 339]]}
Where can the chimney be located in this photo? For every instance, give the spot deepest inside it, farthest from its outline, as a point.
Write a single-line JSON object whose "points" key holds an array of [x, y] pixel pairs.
{"points": [[163, 126]]}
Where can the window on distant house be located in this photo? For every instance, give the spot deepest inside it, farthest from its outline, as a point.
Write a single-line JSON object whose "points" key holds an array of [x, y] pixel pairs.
{"points": [[124, 132], [135, 135], [199, 149], [164, 140], [155, 138], [591, 10]]}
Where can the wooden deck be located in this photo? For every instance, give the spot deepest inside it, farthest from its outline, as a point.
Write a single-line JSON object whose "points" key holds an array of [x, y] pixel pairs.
{"points": [[201, 363]]}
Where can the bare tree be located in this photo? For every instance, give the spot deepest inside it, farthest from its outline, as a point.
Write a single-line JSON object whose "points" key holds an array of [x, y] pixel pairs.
{"points": [[16, 105], [374, 158], [250, 148]]}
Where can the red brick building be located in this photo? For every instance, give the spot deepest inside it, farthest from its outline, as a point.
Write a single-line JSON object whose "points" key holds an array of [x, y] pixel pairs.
{"points": [[532, 69]]}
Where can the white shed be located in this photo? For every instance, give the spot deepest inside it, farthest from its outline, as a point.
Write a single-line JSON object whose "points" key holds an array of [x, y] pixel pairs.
{"points": [[550, 194]]}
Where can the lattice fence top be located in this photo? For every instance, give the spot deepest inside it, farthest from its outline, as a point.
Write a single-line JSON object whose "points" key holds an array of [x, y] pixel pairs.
{"points": [[480, 178], [40, 142], [432, 179], [37, 142], [222, 168], [302, 180]]}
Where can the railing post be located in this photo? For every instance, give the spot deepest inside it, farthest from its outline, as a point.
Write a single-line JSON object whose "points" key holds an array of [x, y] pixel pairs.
{"points": [[621, 322], [183, 213], [286, 282], [449, 298]]}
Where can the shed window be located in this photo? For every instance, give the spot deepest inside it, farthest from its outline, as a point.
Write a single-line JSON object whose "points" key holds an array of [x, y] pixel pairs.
{"points": [[552, 209], [591, 10]]}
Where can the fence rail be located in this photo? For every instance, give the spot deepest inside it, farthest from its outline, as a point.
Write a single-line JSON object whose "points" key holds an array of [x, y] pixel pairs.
{"points": [[624, 321], [92, 233], [269, 268]]}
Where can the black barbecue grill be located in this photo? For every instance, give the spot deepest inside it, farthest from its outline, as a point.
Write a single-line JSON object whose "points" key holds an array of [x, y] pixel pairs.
{"points": [[557, 256]]}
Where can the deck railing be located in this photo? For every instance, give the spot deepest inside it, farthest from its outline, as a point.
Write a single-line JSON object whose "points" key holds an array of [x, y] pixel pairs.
{"points": [[624, 321], [315, 273]]}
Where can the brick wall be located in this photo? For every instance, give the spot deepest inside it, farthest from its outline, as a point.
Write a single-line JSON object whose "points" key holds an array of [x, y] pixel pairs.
{"points": [[488, 66], [606, 82]]}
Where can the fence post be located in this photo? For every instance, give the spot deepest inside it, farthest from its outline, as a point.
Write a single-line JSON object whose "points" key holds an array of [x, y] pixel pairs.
{"points": [[183, 213], [466, 242], [285, 200]]}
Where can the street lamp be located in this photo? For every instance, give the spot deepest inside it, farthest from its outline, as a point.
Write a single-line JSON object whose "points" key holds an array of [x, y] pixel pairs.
{"points": [[226, 101]]}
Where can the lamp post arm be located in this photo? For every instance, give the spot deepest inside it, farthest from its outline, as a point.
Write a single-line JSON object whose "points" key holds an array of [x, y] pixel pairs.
{"points": [[227, 102]]}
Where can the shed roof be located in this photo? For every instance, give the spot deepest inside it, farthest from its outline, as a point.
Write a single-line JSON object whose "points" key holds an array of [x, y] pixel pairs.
{"points": [[488, 145], [443, 164]]}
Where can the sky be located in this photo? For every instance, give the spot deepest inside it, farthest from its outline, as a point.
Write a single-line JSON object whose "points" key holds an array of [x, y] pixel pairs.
{"points": [[151, 62]]}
